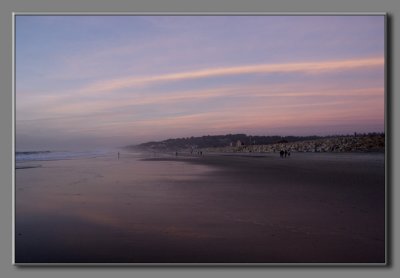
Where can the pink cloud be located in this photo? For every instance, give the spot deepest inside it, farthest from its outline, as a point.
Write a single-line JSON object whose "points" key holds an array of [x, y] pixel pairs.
{"points": [[305, 67]]}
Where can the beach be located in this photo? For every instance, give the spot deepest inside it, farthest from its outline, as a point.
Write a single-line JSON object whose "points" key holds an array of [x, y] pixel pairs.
{"points": [[215, 208]]}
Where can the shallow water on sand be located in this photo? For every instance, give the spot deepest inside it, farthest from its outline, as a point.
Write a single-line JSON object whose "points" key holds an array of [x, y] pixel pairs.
{"points": [[212, 209], [67, 209]]}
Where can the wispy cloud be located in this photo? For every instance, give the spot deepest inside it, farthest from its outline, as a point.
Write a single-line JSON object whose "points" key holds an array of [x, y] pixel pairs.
{"points": [[66, 106], [305, 67]]}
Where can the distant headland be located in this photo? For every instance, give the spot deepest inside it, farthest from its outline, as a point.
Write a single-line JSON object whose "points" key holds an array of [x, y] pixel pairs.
{"points": [[357, 142]]}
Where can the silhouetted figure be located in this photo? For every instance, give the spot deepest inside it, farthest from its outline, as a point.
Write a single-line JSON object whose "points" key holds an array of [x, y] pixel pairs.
{"points": [[176, 153], [281, 153], [285, 153], [288, 153]]}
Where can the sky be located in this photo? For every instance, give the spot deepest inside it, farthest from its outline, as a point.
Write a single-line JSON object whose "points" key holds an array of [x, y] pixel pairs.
{"points": [[108, 81]]}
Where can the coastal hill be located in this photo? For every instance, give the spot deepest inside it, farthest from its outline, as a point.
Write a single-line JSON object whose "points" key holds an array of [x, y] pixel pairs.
{"points": [[371, 142]]}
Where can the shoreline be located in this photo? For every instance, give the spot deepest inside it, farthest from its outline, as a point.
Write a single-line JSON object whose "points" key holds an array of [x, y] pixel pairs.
{"points": [[205, 157]]}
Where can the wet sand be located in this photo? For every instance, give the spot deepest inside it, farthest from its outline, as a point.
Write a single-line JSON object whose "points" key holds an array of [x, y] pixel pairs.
{"points": [[309, 208]]}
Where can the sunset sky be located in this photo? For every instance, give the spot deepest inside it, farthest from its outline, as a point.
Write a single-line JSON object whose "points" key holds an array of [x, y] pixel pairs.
{"points": [[104, 81]]}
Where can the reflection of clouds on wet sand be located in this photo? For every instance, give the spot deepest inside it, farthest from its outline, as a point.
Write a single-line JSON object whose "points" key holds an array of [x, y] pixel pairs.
{"points": [[118, 195], [233, 208]]}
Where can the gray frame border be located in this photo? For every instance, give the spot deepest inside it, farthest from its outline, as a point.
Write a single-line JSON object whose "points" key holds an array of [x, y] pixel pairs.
{"points": [[386, 124]]}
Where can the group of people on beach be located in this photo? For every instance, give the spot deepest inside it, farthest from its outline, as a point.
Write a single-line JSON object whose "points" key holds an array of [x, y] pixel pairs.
{"points": [[284, 153], [200, 153]]}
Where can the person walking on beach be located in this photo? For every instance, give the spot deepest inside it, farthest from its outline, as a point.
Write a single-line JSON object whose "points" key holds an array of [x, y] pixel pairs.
{"points": [[281, 153]]}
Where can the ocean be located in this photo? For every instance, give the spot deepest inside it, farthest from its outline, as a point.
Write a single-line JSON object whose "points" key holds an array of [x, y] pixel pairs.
{"points": [[22, 156]]}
